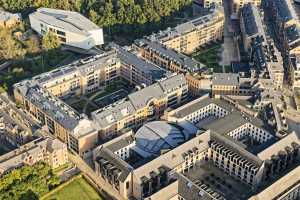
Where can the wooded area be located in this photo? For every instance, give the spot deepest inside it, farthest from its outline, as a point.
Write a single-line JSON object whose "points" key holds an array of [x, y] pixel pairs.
{"points": [[28, 182]]}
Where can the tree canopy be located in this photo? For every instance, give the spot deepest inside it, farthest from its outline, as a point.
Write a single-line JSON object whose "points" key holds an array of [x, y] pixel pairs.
{"points": [[50, 41], [106, 12], [28, 182]]}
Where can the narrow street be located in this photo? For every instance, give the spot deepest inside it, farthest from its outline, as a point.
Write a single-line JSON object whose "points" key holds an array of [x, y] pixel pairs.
{"points": [[230, 51]]}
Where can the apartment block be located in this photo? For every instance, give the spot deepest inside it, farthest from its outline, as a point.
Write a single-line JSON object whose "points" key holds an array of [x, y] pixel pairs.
{"points": [[197, 75], [283, 16], [48, 150], [8, 19], [294, 72], [251, 24], [71, 28], [215, 137], [57, 117], [225, 83], [237, 5], [146, 104], [13, 132], [81, 77], [189, 36], [167, 58], [136, 70]]}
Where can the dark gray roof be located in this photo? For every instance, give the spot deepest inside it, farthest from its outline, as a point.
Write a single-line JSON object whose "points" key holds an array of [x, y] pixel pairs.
{"points": [[124, 142], [190, 191], [225, 79], [185, 62], [200, 104], [283, 10], [116, 161], [54, 107], [292, 33], [129, 58], [252, 20], [226, 124]]}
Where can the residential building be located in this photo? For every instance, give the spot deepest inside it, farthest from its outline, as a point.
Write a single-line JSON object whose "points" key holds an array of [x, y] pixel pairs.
{"points": [[267, 61], [12, 132], [294, 72], [225, 83], [57, 117], [8, 20], [48, 150], [81, 77], [71, 28], [251, 24], [167, 58], [197, 75], [286, 27], [136, 70], [146, 104], [237, 5], [189, 36]]}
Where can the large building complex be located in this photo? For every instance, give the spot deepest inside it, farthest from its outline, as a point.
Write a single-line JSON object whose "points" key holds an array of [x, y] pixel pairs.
{"points": [[48, 150], [146, 104], [136, 70], [70, 27], [81, 77], [189, 36], [201, 135]]}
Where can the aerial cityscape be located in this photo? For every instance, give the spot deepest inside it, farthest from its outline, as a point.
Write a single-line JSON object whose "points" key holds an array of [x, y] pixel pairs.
{"points": [[149, 99]]}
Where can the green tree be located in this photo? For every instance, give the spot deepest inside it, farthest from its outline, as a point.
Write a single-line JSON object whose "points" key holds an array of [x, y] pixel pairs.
{"points": [[50, 41]]}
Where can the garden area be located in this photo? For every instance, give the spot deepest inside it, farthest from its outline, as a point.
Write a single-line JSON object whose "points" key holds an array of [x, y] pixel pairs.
{"points": [[101, 98], [75, 189], [210, 57]]}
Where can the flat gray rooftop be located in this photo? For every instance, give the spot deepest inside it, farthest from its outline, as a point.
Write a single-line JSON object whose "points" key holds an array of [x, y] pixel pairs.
{"points": [[66, 20]]}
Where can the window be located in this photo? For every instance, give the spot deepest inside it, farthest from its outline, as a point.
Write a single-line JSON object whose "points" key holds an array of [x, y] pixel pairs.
{"points": [[60, 33]]}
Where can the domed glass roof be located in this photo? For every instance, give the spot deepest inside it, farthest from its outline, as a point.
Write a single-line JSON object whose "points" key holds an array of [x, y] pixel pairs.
{"points": [[159, 135]]}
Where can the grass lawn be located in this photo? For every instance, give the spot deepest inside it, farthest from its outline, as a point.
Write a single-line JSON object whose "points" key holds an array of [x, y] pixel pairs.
{"points": [[209, 57], [77, 189]]}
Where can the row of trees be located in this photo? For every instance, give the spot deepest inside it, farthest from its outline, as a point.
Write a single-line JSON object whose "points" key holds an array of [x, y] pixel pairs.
{"points": [[106, 12], [28, 182]]}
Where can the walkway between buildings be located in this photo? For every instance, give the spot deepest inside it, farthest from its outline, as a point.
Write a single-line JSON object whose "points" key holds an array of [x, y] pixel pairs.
{"points": [[91, 175]]}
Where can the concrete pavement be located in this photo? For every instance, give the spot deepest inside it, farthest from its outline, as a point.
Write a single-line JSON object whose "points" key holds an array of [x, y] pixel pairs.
{"points": [[230, 51]]}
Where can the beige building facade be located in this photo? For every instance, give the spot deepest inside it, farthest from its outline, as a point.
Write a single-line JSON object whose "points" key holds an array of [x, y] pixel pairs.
{"points": [[187, 37]]}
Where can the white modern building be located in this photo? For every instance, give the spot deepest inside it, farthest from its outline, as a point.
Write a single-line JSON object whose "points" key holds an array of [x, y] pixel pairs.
{"points": [[71, 28]]}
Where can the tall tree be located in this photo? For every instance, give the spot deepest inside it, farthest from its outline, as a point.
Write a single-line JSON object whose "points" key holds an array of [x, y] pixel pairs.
{"points": [[50, 41]]}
